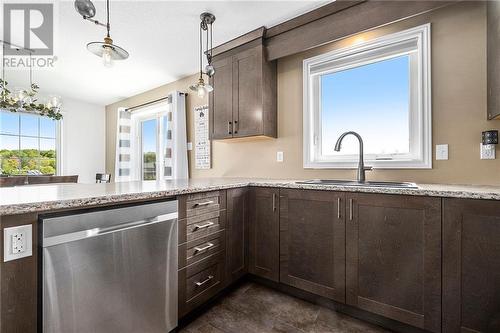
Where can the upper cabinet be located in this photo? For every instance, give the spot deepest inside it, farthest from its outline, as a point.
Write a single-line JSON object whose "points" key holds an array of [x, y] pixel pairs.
{"points": [[493, 55], [243, 103]]}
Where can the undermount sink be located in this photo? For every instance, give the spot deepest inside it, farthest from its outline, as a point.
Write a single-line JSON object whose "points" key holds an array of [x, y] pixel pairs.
{"points": [[358, 184]]}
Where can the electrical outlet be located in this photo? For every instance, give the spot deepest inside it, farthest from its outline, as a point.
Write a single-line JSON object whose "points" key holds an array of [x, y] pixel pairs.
{"points": [[487, 152], [279, 156], [441, 152], [17, 242], [189, 146]]}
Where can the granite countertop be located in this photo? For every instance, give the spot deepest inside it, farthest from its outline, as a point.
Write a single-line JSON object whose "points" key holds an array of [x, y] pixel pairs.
{"points": [[42, 198]]}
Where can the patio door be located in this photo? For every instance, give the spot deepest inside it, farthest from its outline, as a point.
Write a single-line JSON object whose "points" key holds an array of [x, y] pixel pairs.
{"points": [[152, 147]]}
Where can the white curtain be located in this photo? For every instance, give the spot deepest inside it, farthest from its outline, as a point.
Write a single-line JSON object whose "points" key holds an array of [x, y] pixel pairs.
{"points": [[172, 148], [179, 137], [123, 158]]}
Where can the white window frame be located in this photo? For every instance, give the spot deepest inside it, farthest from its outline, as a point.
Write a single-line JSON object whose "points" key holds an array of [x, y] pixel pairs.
{"points": [[156, 111], [416, 43], [58, 138]]}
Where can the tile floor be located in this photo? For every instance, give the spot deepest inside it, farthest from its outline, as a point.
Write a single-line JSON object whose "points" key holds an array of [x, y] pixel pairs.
{"points": [[253, 308]]}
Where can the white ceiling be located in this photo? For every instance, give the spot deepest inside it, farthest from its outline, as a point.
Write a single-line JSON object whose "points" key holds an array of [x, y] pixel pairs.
{"points": [[161, 37]]}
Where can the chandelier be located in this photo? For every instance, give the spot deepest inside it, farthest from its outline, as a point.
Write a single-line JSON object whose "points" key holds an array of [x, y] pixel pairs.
{"points": [[25, 100]]}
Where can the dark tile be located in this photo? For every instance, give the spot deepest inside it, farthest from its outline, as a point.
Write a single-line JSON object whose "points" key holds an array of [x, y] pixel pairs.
{"points": [[205, 328], [332, 321], [281, 327], [231, 320], [258, 301], [253, 308], [298, 313]]}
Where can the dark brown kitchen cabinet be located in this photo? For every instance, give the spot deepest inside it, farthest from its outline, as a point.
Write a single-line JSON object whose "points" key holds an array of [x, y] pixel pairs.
{"points": [[243, 102], [493, 58], [264, 232], [471, 265], [393, 260], [18, 282], [222, 99], [237, 234], [312, 242]]}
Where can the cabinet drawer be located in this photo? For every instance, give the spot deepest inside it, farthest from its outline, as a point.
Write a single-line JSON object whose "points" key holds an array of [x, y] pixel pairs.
{"points": [[201, 226], [201, 203], [194, 251], [199, 282]]}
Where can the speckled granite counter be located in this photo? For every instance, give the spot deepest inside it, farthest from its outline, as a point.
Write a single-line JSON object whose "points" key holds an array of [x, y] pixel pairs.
{"points": [[40, 198]]}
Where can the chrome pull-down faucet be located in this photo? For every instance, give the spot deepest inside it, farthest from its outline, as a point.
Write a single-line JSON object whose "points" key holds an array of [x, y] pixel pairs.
{"points": [[361, 164]]}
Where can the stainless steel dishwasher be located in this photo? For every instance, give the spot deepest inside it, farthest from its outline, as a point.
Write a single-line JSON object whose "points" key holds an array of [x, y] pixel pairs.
{"points": [[111, 270]]}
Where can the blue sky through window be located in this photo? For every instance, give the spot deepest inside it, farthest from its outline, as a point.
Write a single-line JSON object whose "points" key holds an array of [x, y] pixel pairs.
{"points": [[149, 136], [372, 100]]}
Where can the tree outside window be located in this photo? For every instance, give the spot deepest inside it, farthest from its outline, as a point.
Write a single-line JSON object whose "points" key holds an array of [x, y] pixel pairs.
{"points": [[27, 144]]}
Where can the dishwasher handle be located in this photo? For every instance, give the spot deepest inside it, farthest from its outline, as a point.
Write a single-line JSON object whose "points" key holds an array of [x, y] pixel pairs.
{"points": [[89, 233]]}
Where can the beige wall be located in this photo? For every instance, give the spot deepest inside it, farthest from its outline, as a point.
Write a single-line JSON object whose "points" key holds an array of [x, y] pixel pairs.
{"points": [[458, 101]]}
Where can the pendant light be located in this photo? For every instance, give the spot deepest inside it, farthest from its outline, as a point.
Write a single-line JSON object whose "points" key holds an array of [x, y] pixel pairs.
{"points": [[201, 88], [107, 50]]}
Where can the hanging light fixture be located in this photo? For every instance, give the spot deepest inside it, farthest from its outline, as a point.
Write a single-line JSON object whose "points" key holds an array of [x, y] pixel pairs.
{"points": [[107, 50], [201, 88]]}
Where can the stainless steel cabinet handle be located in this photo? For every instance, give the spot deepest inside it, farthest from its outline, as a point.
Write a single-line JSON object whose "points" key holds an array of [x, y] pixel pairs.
{"points": [[203, 226], [229, 128], [338, 208], [350, 209], [206, 203], [199, 284], [274, 202], [236, 127], [200, 249]]}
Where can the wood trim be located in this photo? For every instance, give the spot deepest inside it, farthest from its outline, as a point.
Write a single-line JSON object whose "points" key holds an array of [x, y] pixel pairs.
{"points": [[311, 16], [385, 310], [352, 20], [238, 41], [19, 288]]}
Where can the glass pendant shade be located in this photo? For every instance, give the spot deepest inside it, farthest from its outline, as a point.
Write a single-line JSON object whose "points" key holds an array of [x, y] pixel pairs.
{"points": [[108, 51], [201, 88]]}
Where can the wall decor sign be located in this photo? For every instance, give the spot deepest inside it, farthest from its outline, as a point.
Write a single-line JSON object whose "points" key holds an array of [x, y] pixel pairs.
{"points": [[201, 138]]}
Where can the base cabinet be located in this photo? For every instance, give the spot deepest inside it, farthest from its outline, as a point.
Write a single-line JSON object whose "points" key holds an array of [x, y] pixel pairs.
{"points": [[312, 242], [237, 234], [264, 233], [393, 265], [471, 266]]}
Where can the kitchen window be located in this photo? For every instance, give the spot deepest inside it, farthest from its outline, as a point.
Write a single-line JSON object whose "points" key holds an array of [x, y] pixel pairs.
{"points": [[379, 89], [29, 144]]}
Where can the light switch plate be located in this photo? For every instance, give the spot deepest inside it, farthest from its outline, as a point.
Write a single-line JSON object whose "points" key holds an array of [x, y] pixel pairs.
{"points": [[279, 156], [487, 152], [17, 242], [441, 152], [189, 146]]}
